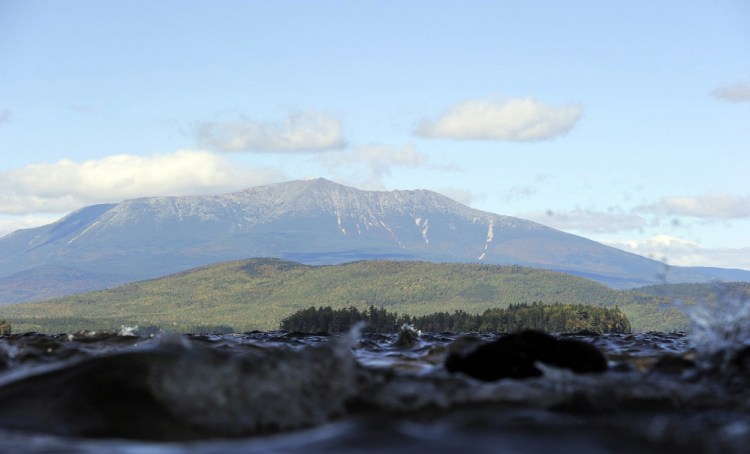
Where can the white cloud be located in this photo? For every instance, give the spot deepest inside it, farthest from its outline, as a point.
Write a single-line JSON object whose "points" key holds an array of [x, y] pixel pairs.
{"points": [[67, 185], [366, 166], [738, 92], [710, 206], [516, 193], [381, 159], [516, 120], [305, 131], [522, 192], [459, 195], [682, 252], [588, 221]]}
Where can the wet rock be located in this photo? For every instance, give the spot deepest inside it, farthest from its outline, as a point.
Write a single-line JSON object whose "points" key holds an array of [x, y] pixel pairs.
{"points": [[464, 345], [672, 365], [621, 366], [511, 356], [408, 336], [180, 390], [101, 397], [4, 360], [515, 355], [740, 361], [578, 356]]}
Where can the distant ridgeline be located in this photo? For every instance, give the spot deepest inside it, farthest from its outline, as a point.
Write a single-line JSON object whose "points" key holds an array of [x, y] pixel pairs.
{"points": [[4, 327], [554, 318]]}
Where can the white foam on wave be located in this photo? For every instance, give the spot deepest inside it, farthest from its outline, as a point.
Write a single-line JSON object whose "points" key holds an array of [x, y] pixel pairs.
{"points": [[127, 331], [719, 331]]}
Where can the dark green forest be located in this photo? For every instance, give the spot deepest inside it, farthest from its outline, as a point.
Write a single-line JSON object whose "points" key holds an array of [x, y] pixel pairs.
{"points": [[552, 318], [257, 294], [716, 292]]}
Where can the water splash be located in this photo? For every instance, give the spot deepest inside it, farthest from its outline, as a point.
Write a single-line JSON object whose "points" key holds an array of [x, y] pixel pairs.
{"points": [[721, 330], [408, 336], [128, 330]]}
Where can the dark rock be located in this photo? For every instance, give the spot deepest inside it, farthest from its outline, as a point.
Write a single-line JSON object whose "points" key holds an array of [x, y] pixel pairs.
{"points": [[464, 344], [621, 366], [578, 356], [511, 356], [109, 397], [515, 355], [4, 360], [740, 361], [672, 364], [408, 337]]}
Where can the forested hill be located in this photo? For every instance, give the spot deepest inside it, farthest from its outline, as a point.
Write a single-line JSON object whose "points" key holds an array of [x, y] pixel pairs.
{"points": [[551, 318], [700, 293], [259, 293]]}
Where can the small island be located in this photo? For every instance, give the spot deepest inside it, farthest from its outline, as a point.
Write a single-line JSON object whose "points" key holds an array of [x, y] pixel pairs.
{"points": [[553, 318]]}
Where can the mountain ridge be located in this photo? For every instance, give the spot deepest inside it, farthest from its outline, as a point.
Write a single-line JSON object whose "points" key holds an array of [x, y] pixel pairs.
{"points": [[315, 222]]}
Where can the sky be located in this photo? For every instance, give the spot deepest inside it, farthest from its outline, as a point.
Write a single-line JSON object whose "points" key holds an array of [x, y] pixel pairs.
{"points": [[624, 122]]}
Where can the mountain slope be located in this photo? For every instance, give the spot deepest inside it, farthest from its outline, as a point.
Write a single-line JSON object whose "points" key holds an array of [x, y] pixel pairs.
{"points": [[45, 282], [314, 222], [259, 293]]}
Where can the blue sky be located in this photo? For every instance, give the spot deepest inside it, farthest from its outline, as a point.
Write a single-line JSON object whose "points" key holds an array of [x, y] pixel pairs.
{"points": [[625, 122]]}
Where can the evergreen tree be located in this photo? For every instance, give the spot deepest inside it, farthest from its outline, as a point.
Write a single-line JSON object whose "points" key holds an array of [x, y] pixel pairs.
{"points": [[551, 318]]}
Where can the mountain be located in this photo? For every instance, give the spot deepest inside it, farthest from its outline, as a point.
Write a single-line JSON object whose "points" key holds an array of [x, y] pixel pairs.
{"points": [[48, 281], [313, 222]]}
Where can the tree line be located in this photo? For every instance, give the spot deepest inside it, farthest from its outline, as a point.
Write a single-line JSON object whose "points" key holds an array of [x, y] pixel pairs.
{"points": [[556, 318], [5, 327]]}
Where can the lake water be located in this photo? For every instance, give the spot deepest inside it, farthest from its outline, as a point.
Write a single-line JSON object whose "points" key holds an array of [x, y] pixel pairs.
{"points": [[295, 393]]}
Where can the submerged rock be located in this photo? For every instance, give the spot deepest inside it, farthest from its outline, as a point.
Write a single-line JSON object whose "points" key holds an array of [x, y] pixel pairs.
{"points": [[515, 355], [740, 361], [181, 390], [408, 336], [672, 364], [578, 356]]}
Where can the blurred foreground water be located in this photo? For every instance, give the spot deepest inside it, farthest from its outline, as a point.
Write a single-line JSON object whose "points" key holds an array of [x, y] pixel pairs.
{"points": [[293, 392]]}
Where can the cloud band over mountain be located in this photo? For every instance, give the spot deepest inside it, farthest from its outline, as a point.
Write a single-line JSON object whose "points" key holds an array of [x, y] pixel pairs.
{"points": [[67, 185]]}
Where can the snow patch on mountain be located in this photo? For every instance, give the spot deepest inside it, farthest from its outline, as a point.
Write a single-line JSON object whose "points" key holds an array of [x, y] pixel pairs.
{"points": [[425, 229], [84, 232], [490, 236]]}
